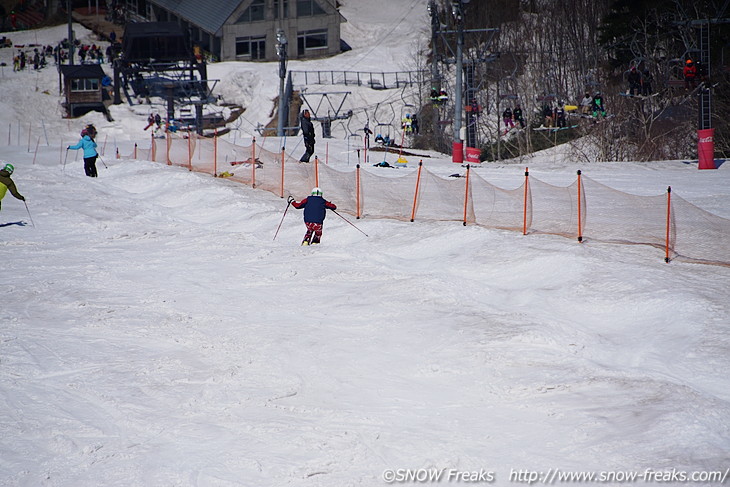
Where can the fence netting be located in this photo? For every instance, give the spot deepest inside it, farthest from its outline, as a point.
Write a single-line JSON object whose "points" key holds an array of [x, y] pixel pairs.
{"points": [[586, 210]]}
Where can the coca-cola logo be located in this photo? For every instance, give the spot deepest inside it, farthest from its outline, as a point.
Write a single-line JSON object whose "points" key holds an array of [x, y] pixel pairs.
{"points": [[705, 140]]}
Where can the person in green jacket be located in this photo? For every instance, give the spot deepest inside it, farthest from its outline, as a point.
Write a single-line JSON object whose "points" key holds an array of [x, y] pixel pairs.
{"points": [[7, 184]]}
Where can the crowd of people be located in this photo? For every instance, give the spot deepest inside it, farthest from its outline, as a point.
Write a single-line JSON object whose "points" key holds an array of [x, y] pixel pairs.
{"points": [[87, 54]]}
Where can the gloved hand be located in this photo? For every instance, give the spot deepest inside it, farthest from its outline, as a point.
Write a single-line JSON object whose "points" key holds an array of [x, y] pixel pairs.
{"points": [[290, 199], [22, 198]]}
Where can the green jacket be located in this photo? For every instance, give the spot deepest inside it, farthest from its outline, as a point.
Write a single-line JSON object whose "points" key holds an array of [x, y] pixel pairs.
{"points": [[7, 184]]}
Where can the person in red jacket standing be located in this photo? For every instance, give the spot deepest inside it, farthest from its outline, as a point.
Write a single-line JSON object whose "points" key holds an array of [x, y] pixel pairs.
{"points": [[315, 211], [690, 74]]}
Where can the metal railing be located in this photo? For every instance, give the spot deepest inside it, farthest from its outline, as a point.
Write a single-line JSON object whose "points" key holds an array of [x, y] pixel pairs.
{"points": [[376, 80]]}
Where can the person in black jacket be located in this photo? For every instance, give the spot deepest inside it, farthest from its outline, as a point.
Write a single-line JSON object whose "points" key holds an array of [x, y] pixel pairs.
{"points": [[315, 211], [308, 134]]}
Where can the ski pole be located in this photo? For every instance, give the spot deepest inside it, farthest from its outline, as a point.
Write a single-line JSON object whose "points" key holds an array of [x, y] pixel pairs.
{"points": [[102, 161], [282, 219], [348, 221], [64, 160], [30, 217]]}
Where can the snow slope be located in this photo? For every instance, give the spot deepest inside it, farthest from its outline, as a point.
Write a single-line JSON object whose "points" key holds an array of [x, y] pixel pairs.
{"points": [[152, 332]]}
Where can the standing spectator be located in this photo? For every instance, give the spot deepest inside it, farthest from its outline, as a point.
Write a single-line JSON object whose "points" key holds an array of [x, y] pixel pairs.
{"points": [[414, 123], [690, 74], [315, 211], [87, 143], [308, 134], [7, 184]]}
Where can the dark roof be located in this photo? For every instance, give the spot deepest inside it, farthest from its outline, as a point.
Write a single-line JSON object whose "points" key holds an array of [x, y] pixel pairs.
{"points": [[209, 17], [213, 14], [82, 71], [161, 41]]}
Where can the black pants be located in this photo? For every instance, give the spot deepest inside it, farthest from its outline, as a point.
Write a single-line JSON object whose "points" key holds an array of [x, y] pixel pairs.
{"points": [[90, 166], [309, 150]]}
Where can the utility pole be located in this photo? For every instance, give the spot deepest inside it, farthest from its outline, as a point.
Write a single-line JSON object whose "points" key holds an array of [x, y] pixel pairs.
{"points": [[281, 50], [70, 34], [457, 9], [435, 76], [458, 13]]}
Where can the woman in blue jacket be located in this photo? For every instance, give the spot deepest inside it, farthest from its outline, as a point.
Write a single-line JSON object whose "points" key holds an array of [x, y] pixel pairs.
{"points": [[87, 143]]}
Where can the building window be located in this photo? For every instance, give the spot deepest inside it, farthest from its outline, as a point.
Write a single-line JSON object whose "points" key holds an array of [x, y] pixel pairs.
{"points": [[310, 40], [308, 8], [251, 47], [85, 84], [254, 12], [281, 9]]}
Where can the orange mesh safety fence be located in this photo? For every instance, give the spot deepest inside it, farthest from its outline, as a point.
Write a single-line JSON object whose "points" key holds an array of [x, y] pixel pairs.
{"points": [[585, 210]]}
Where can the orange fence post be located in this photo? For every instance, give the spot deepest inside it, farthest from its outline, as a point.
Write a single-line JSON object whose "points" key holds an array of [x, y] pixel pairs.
{"points": [[283, 155], [253, 163], [669, 221], [580, 222], [524, 205], [190, 155], [466, 193], [357, 191], [168, 140], [316, 171], [415, 195], [215, 153]]}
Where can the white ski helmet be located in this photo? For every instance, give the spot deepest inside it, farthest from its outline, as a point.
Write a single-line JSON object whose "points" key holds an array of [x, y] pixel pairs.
{"points": [[316, 192]]}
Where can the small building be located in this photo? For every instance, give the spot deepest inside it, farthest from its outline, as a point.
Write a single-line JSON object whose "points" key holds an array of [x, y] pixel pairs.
{"points": [[84, 89], [246, 30]]}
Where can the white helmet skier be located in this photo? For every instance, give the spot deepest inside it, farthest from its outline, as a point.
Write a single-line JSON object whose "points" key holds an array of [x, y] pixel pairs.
{"points": [[316, 192]]}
